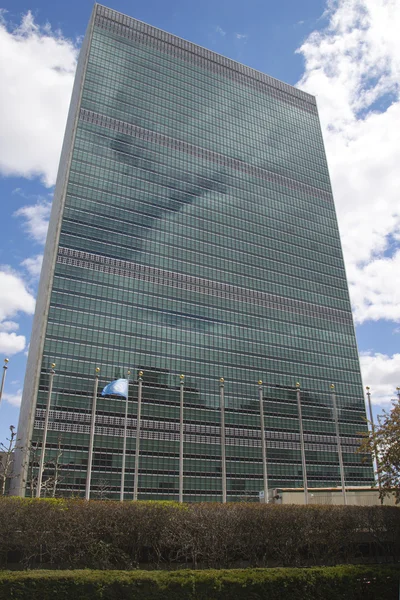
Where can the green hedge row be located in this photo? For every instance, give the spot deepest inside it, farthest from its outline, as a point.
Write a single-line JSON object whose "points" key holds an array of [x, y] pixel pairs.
{"points": [[106, 535], [329, 583]]}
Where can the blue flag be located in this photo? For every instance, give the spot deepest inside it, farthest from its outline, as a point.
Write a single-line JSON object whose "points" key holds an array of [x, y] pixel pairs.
{"points": [[119, 387]]}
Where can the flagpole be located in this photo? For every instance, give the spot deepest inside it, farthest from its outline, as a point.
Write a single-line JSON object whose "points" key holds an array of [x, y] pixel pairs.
{"points": [[182, 383], [3, 379], [263, 441], [302, 446], [371, 416], [223, 449], [139, 410], [339, 445], [92, 431], [44, 439], [121, 496]]}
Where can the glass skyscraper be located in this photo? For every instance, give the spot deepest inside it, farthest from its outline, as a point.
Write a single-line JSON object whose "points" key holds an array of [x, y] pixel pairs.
{"points": [[193, 231]]}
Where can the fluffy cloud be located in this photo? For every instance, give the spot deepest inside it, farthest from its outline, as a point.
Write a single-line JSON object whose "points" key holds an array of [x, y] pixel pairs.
{"points": [[33, 265], [14, 298], [382, 374], [353, 67], [37, 69], [11, 343], [13, 399], [9, 326], [36, 219], [375, 288]]}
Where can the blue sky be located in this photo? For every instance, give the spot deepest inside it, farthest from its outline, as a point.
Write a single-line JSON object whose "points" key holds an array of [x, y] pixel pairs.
{"points": [[346, 52]]}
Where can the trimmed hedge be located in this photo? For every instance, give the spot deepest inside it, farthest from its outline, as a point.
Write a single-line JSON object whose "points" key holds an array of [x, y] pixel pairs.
{"points": [[105, 535], [329, 583]]}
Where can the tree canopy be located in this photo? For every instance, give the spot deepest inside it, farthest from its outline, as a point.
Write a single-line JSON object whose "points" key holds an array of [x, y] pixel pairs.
{"points": [[384, 444]]}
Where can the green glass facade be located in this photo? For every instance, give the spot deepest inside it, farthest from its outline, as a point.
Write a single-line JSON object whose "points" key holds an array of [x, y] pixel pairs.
{"points": [[195, 233]]}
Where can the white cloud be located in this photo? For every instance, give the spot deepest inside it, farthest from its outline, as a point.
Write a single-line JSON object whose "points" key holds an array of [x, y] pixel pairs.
{"points": [[382, 374], [353, 67], [36, 219], [241, 36], [14, 298], [9, 326], [36, 72], [219, 30], [375, 289], [33, 265], [11, 343], [13, 399]]}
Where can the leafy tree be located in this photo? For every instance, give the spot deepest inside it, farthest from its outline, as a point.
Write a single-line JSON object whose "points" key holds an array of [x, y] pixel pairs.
{"points": [[383, 442]]}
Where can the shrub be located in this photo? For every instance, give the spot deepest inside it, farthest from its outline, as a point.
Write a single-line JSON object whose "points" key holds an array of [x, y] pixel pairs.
{"points": [[106, 535], [329, 583]]}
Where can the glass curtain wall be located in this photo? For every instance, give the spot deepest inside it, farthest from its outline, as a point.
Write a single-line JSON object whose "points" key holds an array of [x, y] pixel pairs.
{"points": [[198, 236]]}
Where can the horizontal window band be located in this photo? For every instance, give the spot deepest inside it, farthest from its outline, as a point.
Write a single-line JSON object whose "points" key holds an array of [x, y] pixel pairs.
{"points": [[95, 118], [76, 428], [78, 330], [156, 457], [103, 225], [103, 45], [166, 192], [351, 415], [199, 135], [118, 341], [176, 106], [72, 284], [90, 133], [130, 28], [68, 416], [155, 275], [81, 367], [62, 313]]}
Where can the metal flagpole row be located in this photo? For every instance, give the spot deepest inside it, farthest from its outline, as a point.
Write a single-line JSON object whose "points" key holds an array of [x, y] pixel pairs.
{"points": [[139, 410], [302, 446], [138, 428], [44, 439], [263, 442], [181, 432], [92, 434], [92, 431], [223, 449], [339, 445], [181, 437], [121, 495]]}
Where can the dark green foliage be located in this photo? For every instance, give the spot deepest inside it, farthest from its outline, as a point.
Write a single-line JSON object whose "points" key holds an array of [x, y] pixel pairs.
{"points": [[383, 442], [328, 583], [107, 535]]}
